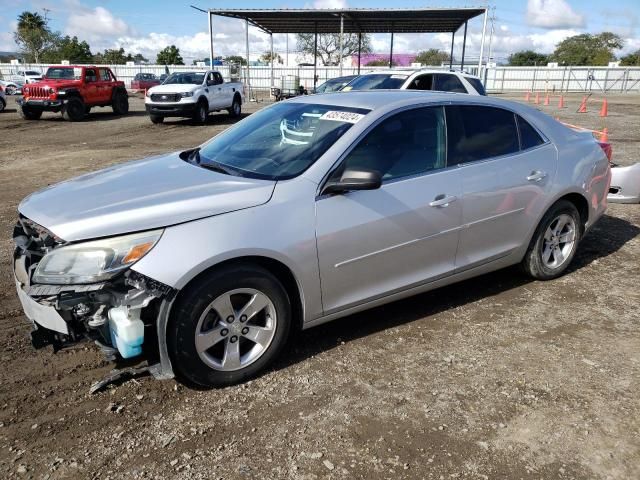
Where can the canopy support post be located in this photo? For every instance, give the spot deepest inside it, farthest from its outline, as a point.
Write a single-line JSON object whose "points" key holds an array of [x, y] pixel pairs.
{"points": [[453, 37], [391, 49], [315, 55], [247, 51], [359, 50], [464, 46], [341, 44], [484, 31], [271, 38], [210, 40]]}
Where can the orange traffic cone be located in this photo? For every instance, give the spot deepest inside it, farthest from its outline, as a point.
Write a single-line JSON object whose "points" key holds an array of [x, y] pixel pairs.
{"points": [[537, 99], [583, 105], [604, 135], [561, 102], [546, 100], [527, 97], [604, 111]]}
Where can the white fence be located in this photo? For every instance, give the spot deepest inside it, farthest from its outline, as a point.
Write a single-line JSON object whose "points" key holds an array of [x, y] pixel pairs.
{"points": [[497, 79]]}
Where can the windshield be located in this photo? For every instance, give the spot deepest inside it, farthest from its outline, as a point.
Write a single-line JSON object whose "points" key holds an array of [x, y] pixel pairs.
{"points": [[280, 141], [64, 73], [377, 81], [189, 78], [333, 85]]}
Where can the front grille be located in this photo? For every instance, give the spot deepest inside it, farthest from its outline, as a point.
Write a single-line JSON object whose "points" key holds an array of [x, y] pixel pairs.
{"points": [[165, 97], [38, 92]]}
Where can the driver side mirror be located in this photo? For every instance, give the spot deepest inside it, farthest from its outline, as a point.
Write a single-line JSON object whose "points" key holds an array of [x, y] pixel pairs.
{"points": [[355, 179]]}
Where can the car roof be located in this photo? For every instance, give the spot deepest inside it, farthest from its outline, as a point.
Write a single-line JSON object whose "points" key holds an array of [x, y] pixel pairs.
{"points": [[411, 71], [379, 99]]}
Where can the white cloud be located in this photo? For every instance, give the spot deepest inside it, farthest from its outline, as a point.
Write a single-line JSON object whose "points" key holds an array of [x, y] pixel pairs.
{"points": [[553, 14], [96, 25]]}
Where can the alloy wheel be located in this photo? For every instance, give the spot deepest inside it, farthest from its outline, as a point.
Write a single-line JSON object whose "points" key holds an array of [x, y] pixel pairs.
{"points": [[235, 329], [559, 241]]}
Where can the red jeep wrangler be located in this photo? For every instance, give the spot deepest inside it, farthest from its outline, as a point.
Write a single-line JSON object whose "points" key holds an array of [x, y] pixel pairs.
{"points": [[73, 91]]}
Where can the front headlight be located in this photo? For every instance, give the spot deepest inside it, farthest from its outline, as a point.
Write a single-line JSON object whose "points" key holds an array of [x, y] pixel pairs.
{"points": [[186, 94], [95, 261]]}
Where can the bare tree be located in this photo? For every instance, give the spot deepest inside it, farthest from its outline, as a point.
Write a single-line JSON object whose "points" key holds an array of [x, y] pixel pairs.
{"points": [[329, 45]]}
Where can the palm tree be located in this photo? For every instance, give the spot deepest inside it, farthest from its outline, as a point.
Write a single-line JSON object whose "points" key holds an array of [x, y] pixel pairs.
{"points": [[31, 21]]}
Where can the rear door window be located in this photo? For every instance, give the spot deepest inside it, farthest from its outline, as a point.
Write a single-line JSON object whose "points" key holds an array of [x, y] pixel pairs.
{"points": [[477, 133], [529, 138], [421, 82], [217, 78], [477, 84], [104, 74], [449, 83]]}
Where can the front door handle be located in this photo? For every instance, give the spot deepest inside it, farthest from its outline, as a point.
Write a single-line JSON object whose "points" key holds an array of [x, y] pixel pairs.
{"points": [[443, 200], [536, 176]]}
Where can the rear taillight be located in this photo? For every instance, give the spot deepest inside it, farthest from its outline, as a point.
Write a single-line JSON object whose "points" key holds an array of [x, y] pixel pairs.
{"points": [[607, 149]]}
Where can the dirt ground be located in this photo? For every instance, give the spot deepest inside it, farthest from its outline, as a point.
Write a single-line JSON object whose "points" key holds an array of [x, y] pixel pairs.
{"points": [[496, 377]]}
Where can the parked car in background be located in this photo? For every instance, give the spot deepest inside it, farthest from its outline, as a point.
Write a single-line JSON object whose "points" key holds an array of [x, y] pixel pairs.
{"points": [[334, 84], [625, 184], [74, 91], [3, 100], [195, 95], [424, 79], [163, 77], [144, 81], [11, 87], [306, 211], [27, 76]]}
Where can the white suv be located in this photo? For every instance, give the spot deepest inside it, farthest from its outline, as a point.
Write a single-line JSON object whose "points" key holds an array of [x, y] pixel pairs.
{"points": [[424, 79]]}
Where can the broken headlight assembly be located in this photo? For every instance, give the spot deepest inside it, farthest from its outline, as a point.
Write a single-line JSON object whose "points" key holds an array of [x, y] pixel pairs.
{"points": [[94, 261]]}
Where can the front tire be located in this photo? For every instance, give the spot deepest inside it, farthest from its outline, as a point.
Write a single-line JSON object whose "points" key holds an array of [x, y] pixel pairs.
{"points": [[74, 110], [120, 104], [228, 326], [554, 243], [29, 114], [201, 113]]}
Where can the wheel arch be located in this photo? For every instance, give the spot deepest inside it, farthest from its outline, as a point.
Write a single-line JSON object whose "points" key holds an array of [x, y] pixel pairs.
{"points": [[276, 267], [238, 96], [581, 204]]}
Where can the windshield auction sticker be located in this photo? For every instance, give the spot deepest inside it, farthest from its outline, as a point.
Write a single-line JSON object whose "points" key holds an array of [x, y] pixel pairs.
{"points": [[337, 116]]}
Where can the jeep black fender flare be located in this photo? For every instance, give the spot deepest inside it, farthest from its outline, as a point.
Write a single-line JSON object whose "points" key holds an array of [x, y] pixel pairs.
{"points": [[70, 92]]}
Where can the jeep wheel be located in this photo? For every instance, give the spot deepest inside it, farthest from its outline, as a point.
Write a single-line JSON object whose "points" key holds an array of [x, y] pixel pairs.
{"points": [[29, 114], [236, 107], [120, 103], [156, 119], [2, 104], [201, 113], [73, 110]]}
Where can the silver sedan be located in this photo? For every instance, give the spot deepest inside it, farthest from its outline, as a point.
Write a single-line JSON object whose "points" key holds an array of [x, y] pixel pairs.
{"points": [[204, 261]]}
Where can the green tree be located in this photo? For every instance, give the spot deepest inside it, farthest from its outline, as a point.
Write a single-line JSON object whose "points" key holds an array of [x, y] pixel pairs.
{"points": [[236, 59], [587, 49], [138, 58], [266, 57], [631, 60], [329, 45], [33, 36], [528, 58], [68, 48], [381, 62], [112, 56], [169, 56], [433, 56]]}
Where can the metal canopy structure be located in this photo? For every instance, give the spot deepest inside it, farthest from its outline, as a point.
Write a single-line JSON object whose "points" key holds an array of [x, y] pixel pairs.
{"points": [[354, 20]]}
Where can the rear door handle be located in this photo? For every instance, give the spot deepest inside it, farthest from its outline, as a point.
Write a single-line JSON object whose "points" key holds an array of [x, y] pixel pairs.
{"points": [[536, 176], [443, 200]]}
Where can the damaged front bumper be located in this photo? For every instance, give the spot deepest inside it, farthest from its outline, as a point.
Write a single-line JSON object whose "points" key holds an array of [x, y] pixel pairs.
{"points": [[126, 315], [625, 184]]}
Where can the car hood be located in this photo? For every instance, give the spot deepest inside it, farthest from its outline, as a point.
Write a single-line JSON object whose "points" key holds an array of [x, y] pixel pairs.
{"points": [[174, 88], [141, 195]]}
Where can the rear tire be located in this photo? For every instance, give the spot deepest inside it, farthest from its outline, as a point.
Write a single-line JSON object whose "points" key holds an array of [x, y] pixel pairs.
{"points": [[236, 107], [10, 90], [554, 242], [156, 119], [28, 114], [74, 110], [120, 104], [201, 113], [210, 340]]}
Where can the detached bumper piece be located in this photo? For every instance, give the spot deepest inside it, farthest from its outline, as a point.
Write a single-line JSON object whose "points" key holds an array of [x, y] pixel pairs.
{"points": [[625, 184], [174, 110]]}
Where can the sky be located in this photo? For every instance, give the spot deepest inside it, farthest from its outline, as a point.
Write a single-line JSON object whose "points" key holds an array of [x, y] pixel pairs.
{"points": [[146, 26]]}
